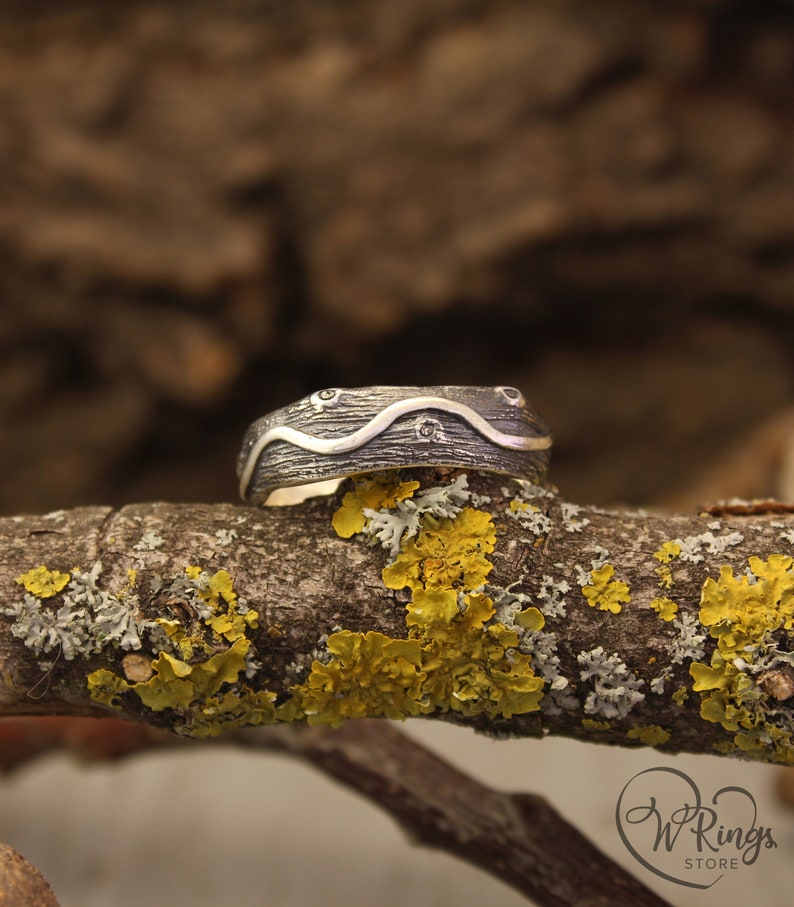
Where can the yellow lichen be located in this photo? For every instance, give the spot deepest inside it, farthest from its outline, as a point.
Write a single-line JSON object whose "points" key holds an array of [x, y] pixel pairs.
{"points": [[372, 492], [680, 696], [742, 613], [726, 747], [222, 668], [204, 684], [168, 688], [174, 684], [452, 659], [479, 671], [592, 724], [105, 687], [180, 638], [517, 506], [219, 595], [233, 709], [225, 622], [730, 692], [668, 552], [530, 619], [43, 583], [605, 593], [477, 610], [370, 674], [666, 608], [446, 554], [432, 608], [665, 575], [651, 735]]}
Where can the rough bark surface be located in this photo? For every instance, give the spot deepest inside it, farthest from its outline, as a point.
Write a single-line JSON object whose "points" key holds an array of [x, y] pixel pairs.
{"points": [[305, 582]]}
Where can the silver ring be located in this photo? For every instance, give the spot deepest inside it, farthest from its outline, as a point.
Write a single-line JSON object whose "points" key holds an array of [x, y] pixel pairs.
{"points": [[341, 432]]}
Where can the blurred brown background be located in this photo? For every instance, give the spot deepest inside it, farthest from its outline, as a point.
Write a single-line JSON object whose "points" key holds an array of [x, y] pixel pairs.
{"points": [[208, 210]]}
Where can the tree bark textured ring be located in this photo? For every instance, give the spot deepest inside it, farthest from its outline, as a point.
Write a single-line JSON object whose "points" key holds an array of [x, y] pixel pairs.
{"points": [[346, 431]]}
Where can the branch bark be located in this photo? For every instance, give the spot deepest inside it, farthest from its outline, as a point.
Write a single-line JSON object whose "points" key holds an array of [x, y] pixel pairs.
{"points": [[613, 670]]}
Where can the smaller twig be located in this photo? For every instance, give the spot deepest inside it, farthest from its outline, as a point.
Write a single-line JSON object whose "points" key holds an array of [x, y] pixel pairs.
{"points": [[45, 680], [519, 838]]}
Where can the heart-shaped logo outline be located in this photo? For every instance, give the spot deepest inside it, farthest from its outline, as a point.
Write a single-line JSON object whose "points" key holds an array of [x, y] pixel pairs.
{"points": [[746, 841]]}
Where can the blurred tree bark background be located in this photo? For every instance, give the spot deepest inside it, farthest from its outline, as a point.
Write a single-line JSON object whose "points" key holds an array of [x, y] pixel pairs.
{"points": [[207, 210]]}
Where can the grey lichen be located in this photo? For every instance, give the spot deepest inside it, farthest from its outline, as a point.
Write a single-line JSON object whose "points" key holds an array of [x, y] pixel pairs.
{"points": [[109, 619], [523, 507], [80, 621], [551, 596], [615, 688], [569, 521], [787, 536], [540, 645], [692, 546], [529, 516], [149, 541], [390, 526], [507, 602], [688, 644], [225, 537], [657, 684], [585, 577], [44, 630], [542, 649]]}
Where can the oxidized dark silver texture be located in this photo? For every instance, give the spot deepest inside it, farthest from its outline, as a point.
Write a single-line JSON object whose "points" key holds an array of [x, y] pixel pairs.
{"points": [[346, 431]]}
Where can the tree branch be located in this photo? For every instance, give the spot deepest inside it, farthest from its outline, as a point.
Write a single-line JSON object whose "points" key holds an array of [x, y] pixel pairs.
{"points": [[519, 838], [516, 614]]}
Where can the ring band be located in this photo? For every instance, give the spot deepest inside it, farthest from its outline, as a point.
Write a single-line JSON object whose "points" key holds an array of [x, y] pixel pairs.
{"points": [[347, 431]]}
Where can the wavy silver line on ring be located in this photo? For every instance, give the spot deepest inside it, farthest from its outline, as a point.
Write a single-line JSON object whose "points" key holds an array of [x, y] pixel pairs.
{"points": [[379, 423], [346, 431]]}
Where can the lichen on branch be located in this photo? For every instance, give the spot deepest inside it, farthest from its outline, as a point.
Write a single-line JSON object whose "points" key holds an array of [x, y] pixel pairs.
{"points": [[474, 598]]}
